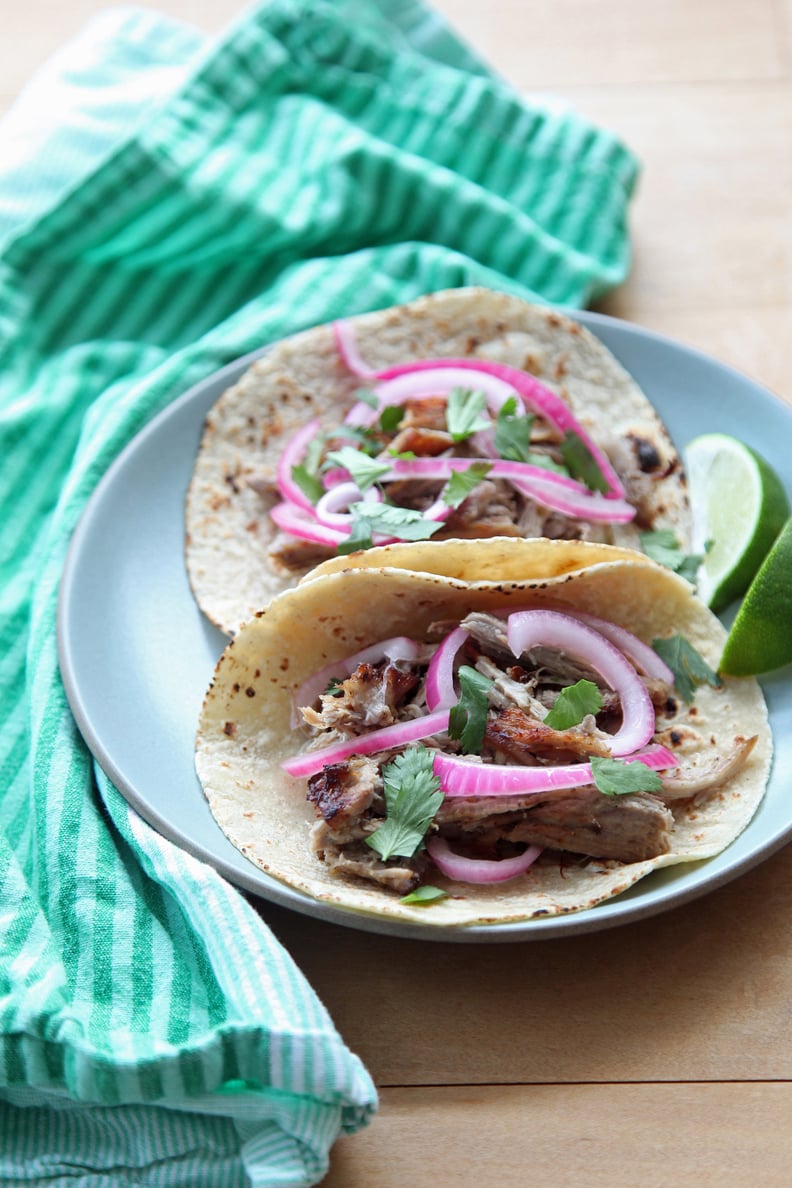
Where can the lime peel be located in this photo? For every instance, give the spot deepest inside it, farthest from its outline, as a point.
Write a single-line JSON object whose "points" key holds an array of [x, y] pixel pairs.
{"points": [[760, 639], [739, 506]]}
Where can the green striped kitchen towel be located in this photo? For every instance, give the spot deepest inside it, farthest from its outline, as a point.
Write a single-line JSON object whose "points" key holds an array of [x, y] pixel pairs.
{"points": [[180, 204]]}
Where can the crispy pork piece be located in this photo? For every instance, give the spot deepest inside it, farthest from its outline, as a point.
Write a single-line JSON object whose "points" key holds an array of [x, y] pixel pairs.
{"points": [[343, 792], [369, 698], [401, 875], [290, 555], [580, 820], [523, 738]]}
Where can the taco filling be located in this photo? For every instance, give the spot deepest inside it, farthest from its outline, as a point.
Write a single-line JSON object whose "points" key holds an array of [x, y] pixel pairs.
{"points": [[515, 735], [461, 448], [466, 414], [505, 728]]}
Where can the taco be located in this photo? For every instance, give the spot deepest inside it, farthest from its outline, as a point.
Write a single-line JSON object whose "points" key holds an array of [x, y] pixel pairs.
{"points": [[485, 722], [465, 414]]}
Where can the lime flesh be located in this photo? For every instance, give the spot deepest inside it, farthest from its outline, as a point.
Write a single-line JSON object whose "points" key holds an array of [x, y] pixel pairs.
{"points": [[739, 506]]}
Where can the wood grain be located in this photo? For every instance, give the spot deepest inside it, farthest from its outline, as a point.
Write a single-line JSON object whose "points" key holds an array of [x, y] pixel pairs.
{"points": [[655, 1053], [698, 993], [613, 1136]]}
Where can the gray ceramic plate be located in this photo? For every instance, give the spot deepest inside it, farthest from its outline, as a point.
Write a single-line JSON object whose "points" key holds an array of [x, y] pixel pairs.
{"points": [[137, 655]]}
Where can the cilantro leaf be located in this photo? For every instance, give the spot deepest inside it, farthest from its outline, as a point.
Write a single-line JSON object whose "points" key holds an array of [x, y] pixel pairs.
{"points": [[313, 454], [367, 396], [308, 483], [306, 473], [412, 797], [424, 895], [463, 413], [468, 718], [403, 522], [391, 417], [462, 482], [572, 705], [513, 432], [366, 440], [619, 777], [687, 665], [580, 462], [364, 470], [359, 534], [662, 546]]}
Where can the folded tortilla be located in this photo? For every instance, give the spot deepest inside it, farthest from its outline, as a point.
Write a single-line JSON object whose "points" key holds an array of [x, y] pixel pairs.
{"points": [[234, 562], [246, 726]]}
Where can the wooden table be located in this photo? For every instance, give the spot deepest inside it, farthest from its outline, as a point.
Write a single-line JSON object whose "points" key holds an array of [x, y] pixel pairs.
{"points": [[657, 1053]]}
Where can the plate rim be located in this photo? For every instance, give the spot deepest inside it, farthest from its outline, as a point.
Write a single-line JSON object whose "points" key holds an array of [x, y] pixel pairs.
{"points": [[611, 913]]}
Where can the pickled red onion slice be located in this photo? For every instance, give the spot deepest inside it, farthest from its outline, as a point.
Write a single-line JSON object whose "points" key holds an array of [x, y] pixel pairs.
{"points": [[440, 690], [298, 522], [292, 454], [400, 647], [556, 491], [331, 509], [467, 777], [346, 345], [388, 737], [644, 657], [478, 870], [554, 629], [499, 381]]}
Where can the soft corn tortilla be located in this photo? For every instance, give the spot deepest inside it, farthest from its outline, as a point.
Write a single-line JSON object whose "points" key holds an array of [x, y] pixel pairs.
{"points": [[245, 729], [229, 531]]}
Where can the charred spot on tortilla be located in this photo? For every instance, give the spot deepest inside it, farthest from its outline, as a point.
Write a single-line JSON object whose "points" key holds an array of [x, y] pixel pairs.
{"points": [[247, 542]]}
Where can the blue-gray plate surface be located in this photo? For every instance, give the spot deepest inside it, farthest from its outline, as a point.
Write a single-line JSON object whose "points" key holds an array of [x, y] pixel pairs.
{"points": [[137, 655]]}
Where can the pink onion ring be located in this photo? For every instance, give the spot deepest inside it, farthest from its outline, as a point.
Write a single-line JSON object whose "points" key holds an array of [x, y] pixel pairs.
{"points": [[644, 657], [466, 777], [440, 690], [292, 454], [478, 870], [529, 629], [328, 507], [388, 737], [556, 491], [400, 647], [297, 522], [346, 345], [498, 380]]}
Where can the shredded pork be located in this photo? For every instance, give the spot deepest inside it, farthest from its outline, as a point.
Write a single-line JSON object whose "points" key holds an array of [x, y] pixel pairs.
{"points": [[493, 507], [349, 799]]}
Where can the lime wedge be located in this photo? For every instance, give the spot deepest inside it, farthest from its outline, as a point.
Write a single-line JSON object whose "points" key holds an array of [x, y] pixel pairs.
{"points": [[739, 506], [761, 635]]}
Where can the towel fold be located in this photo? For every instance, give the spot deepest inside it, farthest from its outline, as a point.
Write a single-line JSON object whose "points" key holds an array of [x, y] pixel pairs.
{"points": [[166, 205]]}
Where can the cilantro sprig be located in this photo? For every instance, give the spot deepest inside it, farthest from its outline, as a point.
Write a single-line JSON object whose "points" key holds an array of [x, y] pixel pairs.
{"points": [[424, 895], [464, 409], [387, 518], [512, 437], [620, 777], [467, 719], [581, 463], [513, 432], [309, 483], [412, 797], [573, 704], [662, 546], [365, 471], [688, 666], [462, 482]]}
